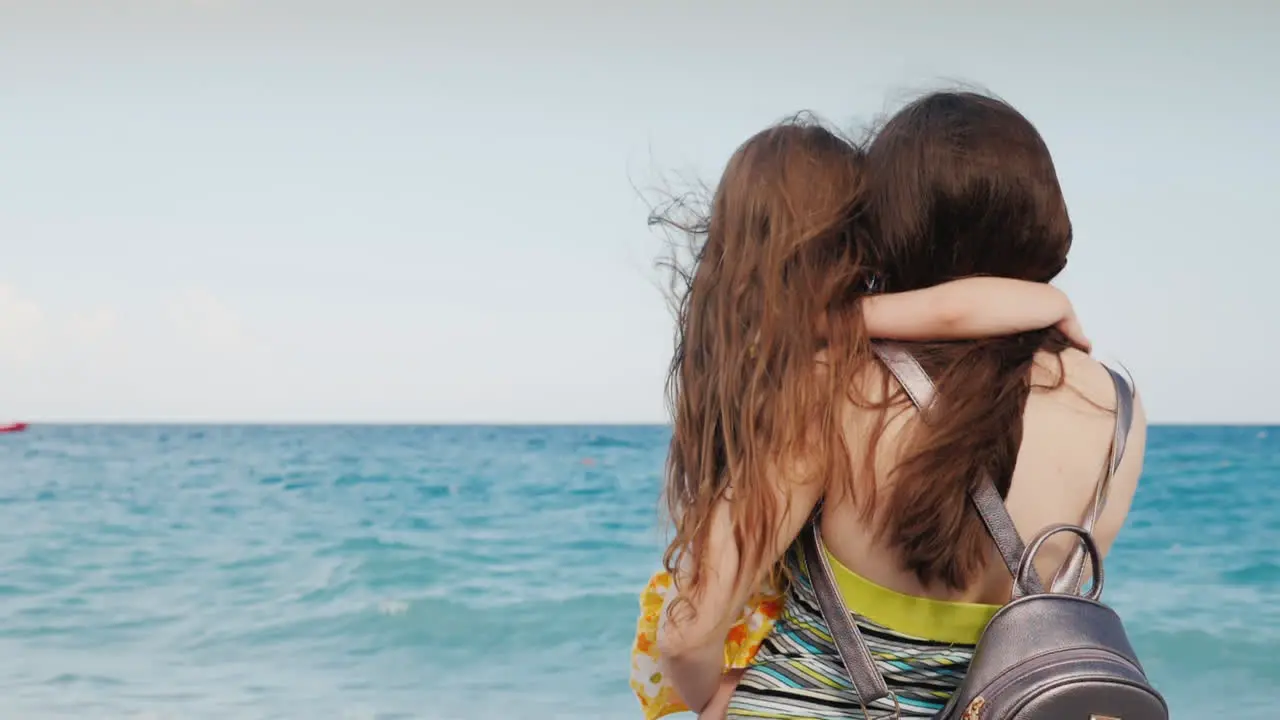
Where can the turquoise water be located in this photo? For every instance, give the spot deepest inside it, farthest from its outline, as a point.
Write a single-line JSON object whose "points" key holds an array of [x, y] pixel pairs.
{"points": [[483, 572]]}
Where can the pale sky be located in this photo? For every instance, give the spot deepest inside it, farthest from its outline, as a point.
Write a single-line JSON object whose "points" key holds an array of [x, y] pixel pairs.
{"points": [[295, 210]]}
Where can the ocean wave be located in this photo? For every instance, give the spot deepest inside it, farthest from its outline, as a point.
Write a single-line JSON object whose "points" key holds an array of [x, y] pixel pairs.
{"points": [[474, 571], [436, 625]]}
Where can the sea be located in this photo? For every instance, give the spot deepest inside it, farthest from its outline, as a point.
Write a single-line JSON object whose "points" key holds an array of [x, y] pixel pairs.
{"points": [[361, 573]]}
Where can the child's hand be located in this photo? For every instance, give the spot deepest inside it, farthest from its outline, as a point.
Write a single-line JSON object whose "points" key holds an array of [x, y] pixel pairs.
{"points": [[1070, 326]]}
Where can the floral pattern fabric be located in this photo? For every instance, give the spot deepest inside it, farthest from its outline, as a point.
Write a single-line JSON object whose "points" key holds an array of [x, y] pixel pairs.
{"points": [[657, 696]]}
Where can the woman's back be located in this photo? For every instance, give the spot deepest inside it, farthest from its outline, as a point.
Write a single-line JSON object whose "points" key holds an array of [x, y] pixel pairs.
{"points": [[1066, 442]]}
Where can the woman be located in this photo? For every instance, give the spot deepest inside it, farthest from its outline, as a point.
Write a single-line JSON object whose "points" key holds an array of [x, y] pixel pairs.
{"points": [[779, 407]]}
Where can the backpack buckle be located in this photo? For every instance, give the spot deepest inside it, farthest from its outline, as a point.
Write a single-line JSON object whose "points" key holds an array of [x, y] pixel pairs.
{"points": [[897, 709]]}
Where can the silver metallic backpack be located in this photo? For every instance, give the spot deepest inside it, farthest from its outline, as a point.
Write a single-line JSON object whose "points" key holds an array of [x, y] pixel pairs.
{"points": [[1056, 655]]}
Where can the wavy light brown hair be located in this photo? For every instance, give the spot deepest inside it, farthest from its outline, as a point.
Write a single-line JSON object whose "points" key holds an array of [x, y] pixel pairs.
{"points": [[775, 263], [961, 184]]}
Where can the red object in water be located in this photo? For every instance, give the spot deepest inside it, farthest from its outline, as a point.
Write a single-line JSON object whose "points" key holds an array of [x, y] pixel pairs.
{"points": [[13, 427]]}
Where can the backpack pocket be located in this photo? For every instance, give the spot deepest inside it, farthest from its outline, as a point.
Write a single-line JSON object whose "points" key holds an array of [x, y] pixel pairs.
{"points": [[1079, 683]]}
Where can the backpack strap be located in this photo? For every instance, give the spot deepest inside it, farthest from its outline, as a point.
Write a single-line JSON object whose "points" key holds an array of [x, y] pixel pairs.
{"points": [[850, 646], [985, 497], [1070, 577]]}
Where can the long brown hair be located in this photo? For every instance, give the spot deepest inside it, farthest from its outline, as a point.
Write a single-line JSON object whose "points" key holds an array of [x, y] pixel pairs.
{"points": [[960, 185], [775, 261]]}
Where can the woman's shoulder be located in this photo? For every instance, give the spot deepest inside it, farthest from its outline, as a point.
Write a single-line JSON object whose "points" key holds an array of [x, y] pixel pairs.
{"points": [[1068, 435], [1070, 423], [1080, 380]]}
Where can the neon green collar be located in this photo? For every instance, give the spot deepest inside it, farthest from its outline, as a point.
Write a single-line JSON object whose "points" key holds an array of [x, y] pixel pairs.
{"points": [[958, 623]]}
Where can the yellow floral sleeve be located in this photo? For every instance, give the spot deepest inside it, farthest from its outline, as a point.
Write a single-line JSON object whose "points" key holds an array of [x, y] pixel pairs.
{"points": [[657, 696]]}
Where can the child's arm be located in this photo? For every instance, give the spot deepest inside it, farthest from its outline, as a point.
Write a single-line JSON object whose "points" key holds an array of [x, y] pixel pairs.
{"points": [[971, 308]]}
